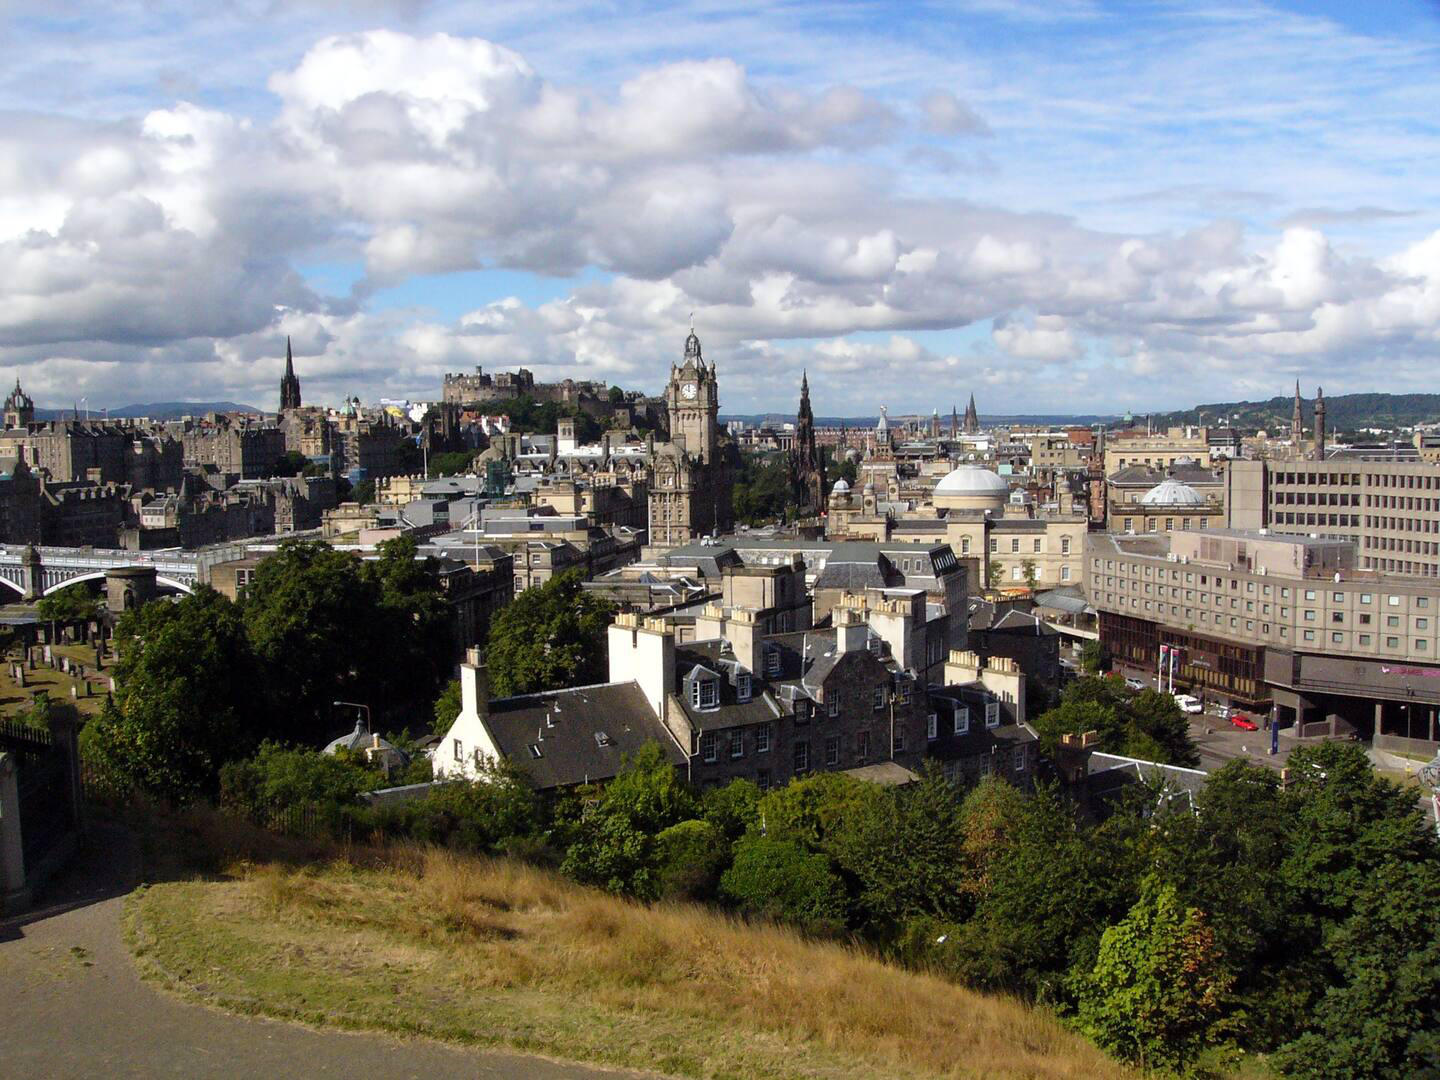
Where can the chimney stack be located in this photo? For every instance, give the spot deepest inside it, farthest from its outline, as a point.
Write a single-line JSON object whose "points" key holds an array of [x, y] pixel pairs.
{"points": [[474, 685]]}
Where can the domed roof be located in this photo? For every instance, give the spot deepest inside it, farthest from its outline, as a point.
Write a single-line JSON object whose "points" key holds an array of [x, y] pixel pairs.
{"points": [[1172, 492], [972, 480], [842, 487]]}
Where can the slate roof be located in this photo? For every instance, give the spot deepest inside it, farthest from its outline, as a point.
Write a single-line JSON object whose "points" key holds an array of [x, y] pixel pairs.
{"points": [[1108, 775], [570, 721], [716, 657]]}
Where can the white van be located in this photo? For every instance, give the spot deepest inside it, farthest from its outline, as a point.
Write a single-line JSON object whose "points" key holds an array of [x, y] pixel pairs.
{"points": [[1188, 704]]}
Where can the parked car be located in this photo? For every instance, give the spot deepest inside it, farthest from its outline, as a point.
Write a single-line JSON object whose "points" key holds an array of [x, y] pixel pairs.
{"points": [[1224, 712], [1189, 704], [1243, 722], [1135, 684]]}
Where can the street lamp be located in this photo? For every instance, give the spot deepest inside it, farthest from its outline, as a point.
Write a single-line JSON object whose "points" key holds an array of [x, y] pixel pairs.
{"points": [[356, 705]]}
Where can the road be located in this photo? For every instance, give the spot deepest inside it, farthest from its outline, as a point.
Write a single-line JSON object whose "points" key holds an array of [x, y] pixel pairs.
{"points": [[75, 1007]]}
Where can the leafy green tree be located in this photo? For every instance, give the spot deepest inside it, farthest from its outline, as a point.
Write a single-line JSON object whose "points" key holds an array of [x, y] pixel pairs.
{"points": [[906, 851], [310, 614], [1381, 1017], [279, 775], [611, 853], [185, 701], [549, 637], [1031, 574], [290, 463], [448, 706], [811, 810], [1092, 658], [1157, 986], [71, 605], [451, 463], [779, 879], [363, 492], [648, 791], [616, 396], [689, 857], [499, 812], [994, 574], [762, 490], [1148, 725], [732, 809]]}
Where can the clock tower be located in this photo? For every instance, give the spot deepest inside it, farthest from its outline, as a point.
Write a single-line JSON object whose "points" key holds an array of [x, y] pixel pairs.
{"points": [[690, 484], [693, 402]]}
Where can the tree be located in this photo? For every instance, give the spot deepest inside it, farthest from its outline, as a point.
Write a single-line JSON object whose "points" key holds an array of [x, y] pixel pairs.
{"points": [[1157, 985], [448, 705], [451, 462], [906, 851], [1031, 574], [310, 615], [550, 637], [1092, 658], [616, 396], [994, 574], [1148, 725], [185, 702], [363, 492], [778, 879], [290, 463], [689, 857], [72, 604], [1381, 1018], [762, 490], [279, 775]]}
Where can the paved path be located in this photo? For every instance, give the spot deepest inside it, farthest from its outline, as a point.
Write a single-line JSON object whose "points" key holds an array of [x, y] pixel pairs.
{"points": [[71, 1005]]}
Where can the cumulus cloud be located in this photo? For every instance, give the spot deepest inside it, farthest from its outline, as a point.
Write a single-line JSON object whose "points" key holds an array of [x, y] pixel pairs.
{"points": [[169, 246]]}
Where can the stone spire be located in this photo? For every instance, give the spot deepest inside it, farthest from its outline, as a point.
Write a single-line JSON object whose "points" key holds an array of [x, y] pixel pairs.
{"points": [[289, 384], [1319, 423], [1297, 421], [972, 417]]}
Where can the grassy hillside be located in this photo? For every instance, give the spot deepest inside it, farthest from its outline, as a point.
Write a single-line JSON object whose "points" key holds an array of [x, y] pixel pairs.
{"points": [[497, 953]]}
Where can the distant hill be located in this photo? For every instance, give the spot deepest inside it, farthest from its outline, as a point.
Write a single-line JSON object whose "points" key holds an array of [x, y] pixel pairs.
{"points": [[155, 410], [986, 420], [1343, 412]]}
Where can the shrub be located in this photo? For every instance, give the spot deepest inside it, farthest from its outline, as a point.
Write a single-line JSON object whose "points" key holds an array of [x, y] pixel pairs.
{"points": [[778, 879], [688, 860]]}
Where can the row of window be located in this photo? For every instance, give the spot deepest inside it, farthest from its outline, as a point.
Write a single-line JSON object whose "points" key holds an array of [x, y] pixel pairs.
{"points": [[1154, 524]]}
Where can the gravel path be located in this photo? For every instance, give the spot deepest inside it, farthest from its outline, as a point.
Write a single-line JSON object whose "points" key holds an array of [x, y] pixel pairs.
{"points": [[72, 1005]]}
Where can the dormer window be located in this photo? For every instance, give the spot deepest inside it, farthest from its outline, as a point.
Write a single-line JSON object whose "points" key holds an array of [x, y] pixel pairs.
{"points": [[772, 661], [704, 694], [742, 687]]}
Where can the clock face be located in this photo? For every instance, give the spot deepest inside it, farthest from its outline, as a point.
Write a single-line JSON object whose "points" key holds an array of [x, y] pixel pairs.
{"points": [[688, 390]]}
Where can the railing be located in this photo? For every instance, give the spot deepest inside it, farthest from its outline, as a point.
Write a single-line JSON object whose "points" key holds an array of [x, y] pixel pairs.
{"points": [[23, 737]]}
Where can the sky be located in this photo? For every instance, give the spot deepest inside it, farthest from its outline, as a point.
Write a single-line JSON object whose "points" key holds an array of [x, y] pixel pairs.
{"points": [[1060, 206]]}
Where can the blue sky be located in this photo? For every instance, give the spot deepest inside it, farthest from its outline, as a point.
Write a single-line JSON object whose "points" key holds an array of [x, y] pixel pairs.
{"points": [[1055, 204]]}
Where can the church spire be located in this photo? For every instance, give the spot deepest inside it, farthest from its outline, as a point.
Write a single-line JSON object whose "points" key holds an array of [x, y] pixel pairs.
{"points": [[289, 384], [1297, 420]]}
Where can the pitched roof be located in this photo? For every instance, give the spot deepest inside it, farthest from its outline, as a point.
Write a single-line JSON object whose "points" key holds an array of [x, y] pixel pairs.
{"points": [[581, 734]]}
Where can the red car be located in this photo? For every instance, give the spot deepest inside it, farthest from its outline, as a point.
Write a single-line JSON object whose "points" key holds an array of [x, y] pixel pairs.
{"points": [[1243, 722]]}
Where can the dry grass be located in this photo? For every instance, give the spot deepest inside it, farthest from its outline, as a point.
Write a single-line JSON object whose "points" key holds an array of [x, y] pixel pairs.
{"points": [[498, 953]]}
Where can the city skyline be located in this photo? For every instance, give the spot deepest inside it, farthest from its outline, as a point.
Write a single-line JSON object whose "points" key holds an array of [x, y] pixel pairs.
{"points": [[1065, 208]]}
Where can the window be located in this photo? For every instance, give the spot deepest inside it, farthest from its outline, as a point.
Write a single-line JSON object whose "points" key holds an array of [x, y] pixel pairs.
{"points": [[762, 739], [862, 745], [1392, 620], [962, 721], [832, 750], [1422, 624], [1337, 616], [1309, 635], [1017, 573], [899, 740], [1393, 601], [994, 545], [742, 687], [704, 694], [1014, 545], [459, 750], [1037, 545], [1019, 759], [737, 744], [1392, 643], [707, 746], [1364, 639], [762, 779], [1336, 637], [932, 726], [832, 705], [992, 714], [802, 757], [772, 661], [879, 698], [1421, 644], [1065, 545], [964, 545], [1364, 598], [802, 712], [1129, 524], [1364, 618]]}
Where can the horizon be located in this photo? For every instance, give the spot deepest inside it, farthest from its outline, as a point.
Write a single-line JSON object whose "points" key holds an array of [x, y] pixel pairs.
{"points": [[1078, 206]]}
